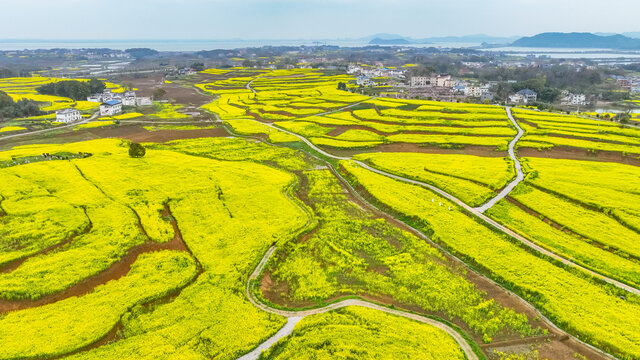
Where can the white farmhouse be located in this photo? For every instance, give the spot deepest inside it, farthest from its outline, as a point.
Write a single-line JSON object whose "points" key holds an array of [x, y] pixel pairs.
{"points": [[440, 80], [129, 98], [419, 81], [68, 115], [110, 107], [525, 96], [574, 99]]}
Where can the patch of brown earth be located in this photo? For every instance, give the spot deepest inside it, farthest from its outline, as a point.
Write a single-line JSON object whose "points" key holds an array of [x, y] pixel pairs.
{"points": [[138, 133], [116, 271], [160, 136], [181, 94], [484, 151], [572, 153]]}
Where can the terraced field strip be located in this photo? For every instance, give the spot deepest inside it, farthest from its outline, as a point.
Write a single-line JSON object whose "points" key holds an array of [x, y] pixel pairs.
{"points": [[295, 316], [472, 211], [519, 173]]}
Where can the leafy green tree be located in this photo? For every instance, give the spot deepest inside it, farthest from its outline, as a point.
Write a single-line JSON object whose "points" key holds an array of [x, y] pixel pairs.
{"points": [[342, 86], [197, 66], [96, 86], [77, 90], [158, 93], [136, 150]]}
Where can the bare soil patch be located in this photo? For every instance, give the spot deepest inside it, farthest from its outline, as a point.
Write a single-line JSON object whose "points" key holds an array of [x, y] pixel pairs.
{"points": [[572, 153], [485, 151], [116, 271], [181, 94]]}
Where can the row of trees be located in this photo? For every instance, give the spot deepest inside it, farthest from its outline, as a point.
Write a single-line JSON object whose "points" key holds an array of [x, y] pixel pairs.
{"points": [[10, 109], [76, 90]]}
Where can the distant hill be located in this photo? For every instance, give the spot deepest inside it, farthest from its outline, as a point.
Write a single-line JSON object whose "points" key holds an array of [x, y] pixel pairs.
{"points": [[579, 40], [384, 36], [395, 39], [398, 41], [478, 38]]}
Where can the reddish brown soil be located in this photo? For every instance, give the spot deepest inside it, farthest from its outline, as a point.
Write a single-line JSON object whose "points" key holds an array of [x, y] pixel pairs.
{"points": [[486, 151], [339, 129], [572, 153], [181, 94], [161, 136], [138, 133], [116, 271]]}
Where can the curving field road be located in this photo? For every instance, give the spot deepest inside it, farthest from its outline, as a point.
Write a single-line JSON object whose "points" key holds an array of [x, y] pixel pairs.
{"points": [[294, 316], [519, 174], [472, 211]]}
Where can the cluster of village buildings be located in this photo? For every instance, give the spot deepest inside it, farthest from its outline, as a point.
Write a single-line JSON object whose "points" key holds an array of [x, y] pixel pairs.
{"points": [[631, 84], [110, 104], [455, 86]]}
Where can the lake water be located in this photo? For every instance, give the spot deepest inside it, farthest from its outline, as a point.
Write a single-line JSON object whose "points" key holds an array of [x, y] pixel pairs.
{"points": [[197, 45]]}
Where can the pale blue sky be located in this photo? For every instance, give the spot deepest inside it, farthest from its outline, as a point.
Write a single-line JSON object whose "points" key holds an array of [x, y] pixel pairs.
{"points": [[318, 19]]}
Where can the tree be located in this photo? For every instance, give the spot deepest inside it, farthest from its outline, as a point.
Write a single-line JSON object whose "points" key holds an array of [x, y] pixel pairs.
{"points": [[96, 86], [159, 93], [77, 90], [136, 150], [197, 66], [342, 86], [141, 52]]}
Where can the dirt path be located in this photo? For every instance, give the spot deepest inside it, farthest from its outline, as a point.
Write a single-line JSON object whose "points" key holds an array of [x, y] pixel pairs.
{"points": [[519, 174], [295, 316], [116, 271]]}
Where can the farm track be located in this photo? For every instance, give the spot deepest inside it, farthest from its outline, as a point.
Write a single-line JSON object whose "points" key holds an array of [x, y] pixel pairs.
{"points": [[294, 316], [519, 173]]}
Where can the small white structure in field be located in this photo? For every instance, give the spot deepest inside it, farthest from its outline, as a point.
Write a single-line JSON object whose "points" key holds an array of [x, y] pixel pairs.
{"points": [[110, 107], [95, 98], [439, 203], [143, 101], [68, 115], [449, 208]]}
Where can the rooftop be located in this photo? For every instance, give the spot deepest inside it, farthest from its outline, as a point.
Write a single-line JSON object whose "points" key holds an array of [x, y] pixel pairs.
{"points": [[67, 111], [111, 102]]}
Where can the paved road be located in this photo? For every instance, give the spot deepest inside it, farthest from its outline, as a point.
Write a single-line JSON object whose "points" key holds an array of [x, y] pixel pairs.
{"points": [[472, 211], [84, 121], [519, 174], [295, 316]]}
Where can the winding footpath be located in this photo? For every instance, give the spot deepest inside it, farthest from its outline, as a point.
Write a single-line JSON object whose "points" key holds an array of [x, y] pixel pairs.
{"points": [[294, 316], [519, 173]]}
